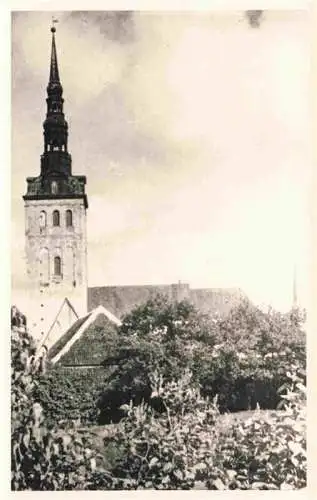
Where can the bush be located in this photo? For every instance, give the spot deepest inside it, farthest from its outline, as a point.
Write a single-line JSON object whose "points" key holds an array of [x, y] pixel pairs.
{"points": [[42, 458], [185, 447], [254, 353], [266, 452], [243, 358], [97, 342], [176, 443], [68, 394], [165, 450]]}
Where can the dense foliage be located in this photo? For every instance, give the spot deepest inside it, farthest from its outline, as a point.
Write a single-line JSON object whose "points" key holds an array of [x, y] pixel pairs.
{"points": [[71, 394], [98, 341], [46, 457], [243, 358], [177, 370], [39, 460], [185, 447]]}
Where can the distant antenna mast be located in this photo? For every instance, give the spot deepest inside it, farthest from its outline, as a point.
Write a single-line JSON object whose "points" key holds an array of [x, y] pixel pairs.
{"points": [[295, 298], [254, 18]]}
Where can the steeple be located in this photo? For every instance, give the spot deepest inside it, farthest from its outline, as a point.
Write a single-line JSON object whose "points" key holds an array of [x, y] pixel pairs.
{"points": [[55, 216], [55, 125], [54, 75], [55, 179]]}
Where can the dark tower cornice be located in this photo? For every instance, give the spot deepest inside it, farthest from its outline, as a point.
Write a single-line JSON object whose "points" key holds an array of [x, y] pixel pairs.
{"points": [[56, 179]]}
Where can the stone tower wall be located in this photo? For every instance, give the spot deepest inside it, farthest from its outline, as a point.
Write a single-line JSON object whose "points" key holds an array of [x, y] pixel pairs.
{"points": [[47, 290]]}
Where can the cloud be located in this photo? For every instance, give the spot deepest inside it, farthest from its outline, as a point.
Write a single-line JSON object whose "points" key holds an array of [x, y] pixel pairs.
{"points": [[90, 63], [193, 132]]}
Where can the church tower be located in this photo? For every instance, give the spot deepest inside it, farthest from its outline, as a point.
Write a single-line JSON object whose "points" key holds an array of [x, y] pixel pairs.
{"points": [[55, 217]]}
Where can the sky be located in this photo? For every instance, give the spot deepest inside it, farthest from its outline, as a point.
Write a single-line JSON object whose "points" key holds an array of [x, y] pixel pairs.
{"points": [[193, 130]]}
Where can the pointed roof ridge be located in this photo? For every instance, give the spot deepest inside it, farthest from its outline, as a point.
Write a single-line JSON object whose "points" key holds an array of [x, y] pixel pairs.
{"points": [[87, 320], [54, 73], [68, 303], [101, 309]]}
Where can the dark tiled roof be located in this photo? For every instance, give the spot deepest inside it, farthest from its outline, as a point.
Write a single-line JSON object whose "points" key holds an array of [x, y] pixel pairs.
{"points": [[93, 346], [120, 300], [60, 344], [213, 300]]}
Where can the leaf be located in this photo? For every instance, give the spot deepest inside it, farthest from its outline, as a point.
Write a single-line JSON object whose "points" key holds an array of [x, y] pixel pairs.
{"points": [[296, 448], [178, 474], [218, 484], [26, 440], [231, 473], [263, 486], [301, 387], [286, 486], [153, 461], [199, 485], [294, 461], [200, 466], [168, 467]]}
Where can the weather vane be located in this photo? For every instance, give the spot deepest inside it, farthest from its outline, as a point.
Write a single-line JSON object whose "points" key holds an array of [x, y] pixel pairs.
{"points": [[54, 21], [254, 17]]}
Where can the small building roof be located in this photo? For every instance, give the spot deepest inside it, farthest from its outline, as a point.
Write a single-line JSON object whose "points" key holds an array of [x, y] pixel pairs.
{"points": [[78, 329]]}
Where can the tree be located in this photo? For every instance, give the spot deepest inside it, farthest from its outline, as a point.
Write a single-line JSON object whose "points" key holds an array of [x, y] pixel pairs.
{"points": [[159, 335]]}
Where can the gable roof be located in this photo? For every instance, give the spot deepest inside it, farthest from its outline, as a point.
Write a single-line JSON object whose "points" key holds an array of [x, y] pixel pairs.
{"points": [[62, 321], [61, 343], [75, 332]]}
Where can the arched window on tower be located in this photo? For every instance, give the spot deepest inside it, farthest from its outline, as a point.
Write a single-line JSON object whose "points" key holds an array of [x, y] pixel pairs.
{"points": [[54, 187], [69, 218], [56, 221], [57, 266], [42, 219], [44, 266]]}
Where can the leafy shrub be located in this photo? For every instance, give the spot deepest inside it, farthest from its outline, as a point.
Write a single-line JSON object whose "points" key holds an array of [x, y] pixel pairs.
{"points": [[42, 458], [97, 342], [71, 394], [166, 450], [266, 452], [185, 447], [243, 357], [174, 443], [250, 362]]}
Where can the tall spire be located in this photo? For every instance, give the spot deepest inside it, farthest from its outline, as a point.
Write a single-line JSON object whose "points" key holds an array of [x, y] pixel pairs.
{"points": [[54, 74], [55, 126], [55, 179]]}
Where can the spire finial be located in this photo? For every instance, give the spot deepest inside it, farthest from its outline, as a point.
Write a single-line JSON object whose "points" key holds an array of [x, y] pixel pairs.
{"points": [[54, 21], [54, 74]]}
